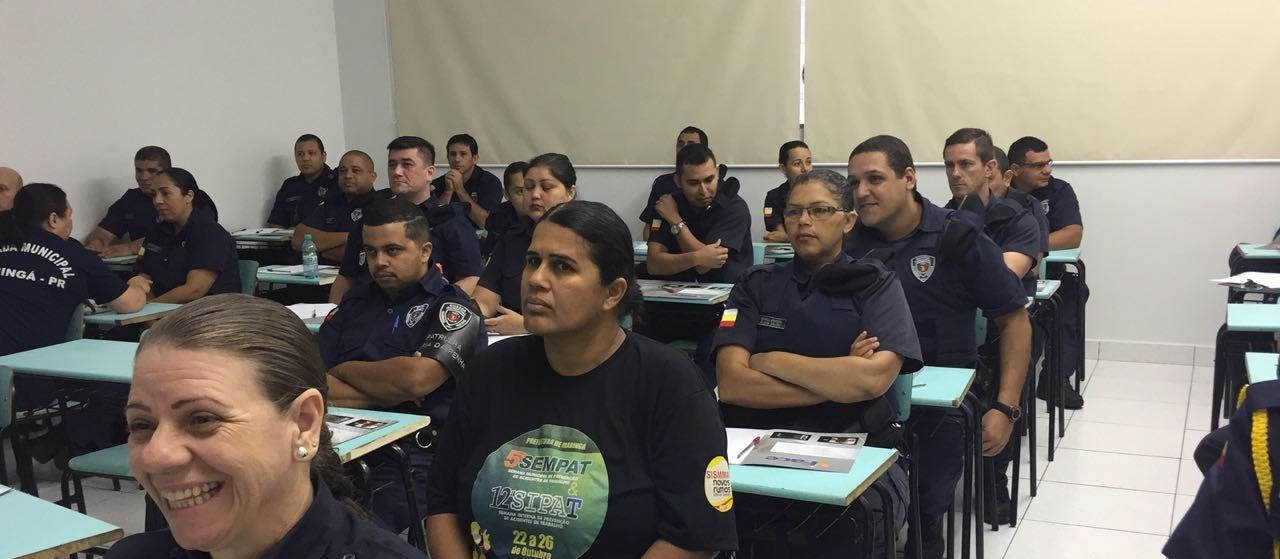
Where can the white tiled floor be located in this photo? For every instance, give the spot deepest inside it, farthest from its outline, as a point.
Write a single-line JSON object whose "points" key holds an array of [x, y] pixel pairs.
{"points": [[1123, 475], [1122, 478]]}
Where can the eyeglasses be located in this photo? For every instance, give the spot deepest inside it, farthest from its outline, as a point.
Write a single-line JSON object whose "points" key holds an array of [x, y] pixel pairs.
{"points": [[818, 213], [1038, 166]]}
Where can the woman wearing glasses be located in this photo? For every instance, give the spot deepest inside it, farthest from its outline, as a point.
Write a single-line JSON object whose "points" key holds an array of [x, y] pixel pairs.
{"points": [[815, 344]]}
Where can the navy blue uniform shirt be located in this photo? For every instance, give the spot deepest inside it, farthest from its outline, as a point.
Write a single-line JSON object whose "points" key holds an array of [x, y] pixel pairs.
{"points": [[1059, 202], [1014, 229], [369, 326], [202, 244], [134, 214], [506, 263], [944, 293], [328, 529], [778, 307], [340, 214], [42, 280], [497, 224], [1037, 211], [484, 187], [663, 184], [774, 202], [454, 246], [297, 198], [728, 219]]}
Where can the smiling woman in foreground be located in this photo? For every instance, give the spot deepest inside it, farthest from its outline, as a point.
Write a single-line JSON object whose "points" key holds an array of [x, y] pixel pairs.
{"points": [[227, 435]]}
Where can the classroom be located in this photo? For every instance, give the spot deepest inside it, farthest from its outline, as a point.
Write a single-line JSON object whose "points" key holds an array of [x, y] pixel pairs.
{"points": [[500, 313]]}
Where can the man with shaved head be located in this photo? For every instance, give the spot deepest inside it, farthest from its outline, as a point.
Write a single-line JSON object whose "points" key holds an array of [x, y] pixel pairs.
{"points": [[10, 182], [330, 222]]}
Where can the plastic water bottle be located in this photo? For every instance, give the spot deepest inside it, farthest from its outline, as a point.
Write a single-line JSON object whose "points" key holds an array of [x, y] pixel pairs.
{"points": [[310, 260]]}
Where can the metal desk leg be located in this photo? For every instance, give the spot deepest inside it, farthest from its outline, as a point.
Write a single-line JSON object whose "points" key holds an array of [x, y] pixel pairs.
{"points": [[966, 504], [1080, 304], [979, 484], [1219, 378], [417, 535], [886, 507], [913, 507]]}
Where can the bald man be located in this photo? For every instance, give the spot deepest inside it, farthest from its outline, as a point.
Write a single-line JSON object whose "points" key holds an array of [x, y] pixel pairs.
{"points": [[10, 182]]}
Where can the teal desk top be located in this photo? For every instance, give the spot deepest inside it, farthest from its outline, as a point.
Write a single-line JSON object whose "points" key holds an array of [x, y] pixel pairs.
{"points": [[1261, 366], [777, 251], [149, 312], [1064, 256], [1046, 288], [941, 387], [313, 324], [326, 277], [828, 488], [1258, 251], [33, 525], [1253, 317], [263, 235], [401, 425], [640, 248], [662, 291], [96, 360]]}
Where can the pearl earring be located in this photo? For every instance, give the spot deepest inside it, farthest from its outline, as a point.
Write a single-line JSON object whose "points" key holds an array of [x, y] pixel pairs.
{"points": [[302, 452]]}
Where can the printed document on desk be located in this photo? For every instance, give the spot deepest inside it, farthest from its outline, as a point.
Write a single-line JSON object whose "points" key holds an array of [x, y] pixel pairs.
{"points": [[823, 452], [347, 427], [262, 231], [296, 269]]}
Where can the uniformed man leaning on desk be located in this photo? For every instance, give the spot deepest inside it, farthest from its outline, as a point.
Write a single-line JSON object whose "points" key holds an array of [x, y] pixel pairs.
{"points": [[397, 342], [331, 222]]}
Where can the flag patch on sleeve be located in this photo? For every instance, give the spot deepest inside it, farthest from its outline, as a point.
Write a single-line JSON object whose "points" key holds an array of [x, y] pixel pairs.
{"points": [[655, 225], [768, 212], [729, 318]]}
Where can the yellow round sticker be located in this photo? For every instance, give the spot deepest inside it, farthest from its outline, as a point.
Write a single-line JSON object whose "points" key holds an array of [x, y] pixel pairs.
{"points": [[716, 485]]}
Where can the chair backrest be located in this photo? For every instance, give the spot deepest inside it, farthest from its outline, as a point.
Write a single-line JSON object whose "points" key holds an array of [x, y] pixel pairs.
{"points": [[6, 397], [757, 254], [248, 277], [902, 391], [75, 328], [979, 328], [1043, 270]]}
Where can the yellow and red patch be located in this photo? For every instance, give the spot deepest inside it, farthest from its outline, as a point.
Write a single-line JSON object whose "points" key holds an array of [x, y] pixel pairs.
{"points": [[729, 318], [655, 226], [768, 212]]}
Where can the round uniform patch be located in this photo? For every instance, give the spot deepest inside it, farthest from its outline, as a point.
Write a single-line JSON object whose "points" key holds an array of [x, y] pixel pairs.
{"points": [[454, 316], [716, 485], [356, 214], [542, 494]]}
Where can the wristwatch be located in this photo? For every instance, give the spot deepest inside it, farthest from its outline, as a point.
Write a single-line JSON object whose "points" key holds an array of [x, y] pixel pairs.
{"points": [[1014, 412], [675, 229]]}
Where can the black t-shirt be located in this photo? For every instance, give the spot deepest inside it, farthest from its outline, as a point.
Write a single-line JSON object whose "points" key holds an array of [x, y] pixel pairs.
{"points": [[134, 213], [506, 263], [297, 198], [484, 187], [779, 307], [775, 201], [728, 219], [498, 223], [41, 281], [663, 184], [455, 250], [601, 464], [169, 254]]}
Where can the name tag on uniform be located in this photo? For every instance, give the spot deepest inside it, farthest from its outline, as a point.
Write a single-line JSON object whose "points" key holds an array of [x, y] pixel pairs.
{"points": [[772, 322]]}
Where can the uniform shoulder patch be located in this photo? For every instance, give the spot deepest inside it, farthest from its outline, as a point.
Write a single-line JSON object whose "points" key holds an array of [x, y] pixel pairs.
{"points": [[414, 315], [922, 267], [1044, 206], [455, 316], [357, 214]]}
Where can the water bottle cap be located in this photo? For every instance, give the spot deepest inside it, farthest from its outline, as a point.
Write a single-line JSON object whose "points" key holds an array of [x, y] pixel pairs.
{"points": [[307, 237]]}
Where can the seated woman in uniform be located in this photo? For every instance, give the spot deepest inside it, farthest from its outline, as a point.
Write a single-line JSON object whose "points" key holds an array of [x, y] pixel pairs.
{"points": [[44, 276], [187, 254], [601, 442], [227, 436], [792, 351], [548, 182]]}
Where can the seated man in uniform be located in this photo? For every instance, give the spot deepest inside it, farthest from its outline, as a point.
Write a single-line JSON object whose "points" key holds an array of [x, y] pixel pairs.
{"points": [[1001, 189], [788, 357], [124, 228], [301, 194], [949, 269], [794, 159], [10, 182], [1033, 174], [330, 223], [704, 230], [968, 156], [510, 211], [666, 183], [466, 183], [410, 166], [397, 342]]}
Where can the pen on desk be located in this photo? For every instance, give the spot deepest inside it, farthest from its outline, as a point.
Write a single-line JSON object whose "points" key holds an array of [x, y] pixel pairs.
{"points": [[916, 385], [753, 444]]}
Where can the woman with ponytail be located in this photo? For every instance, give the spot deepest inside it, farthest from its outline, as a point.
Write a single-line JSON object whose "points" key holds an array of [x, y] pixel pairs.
{"points": [[44, 277], [227, 435]]}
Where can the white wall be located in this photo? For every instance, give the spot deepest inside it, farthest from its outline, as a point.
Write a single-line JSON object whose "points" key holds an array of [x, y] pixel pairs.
{"points": [[364, 62], [226, 87]]}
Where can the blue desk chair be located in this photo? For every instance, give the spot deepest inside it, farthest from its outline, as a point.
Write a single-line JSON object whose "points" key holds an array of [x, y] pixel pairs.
{"points": [[110, 463], [248, 277], [6, 417]]}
